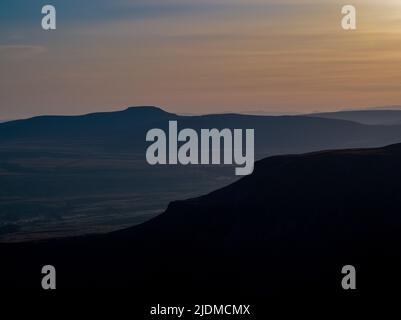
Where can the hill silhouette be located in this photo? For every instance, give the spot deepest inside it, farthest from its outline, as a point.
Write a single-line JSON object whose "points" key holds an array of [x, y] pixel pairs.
{"points": [[286, 229], [125, 130], [370, 117], [73, 175]]}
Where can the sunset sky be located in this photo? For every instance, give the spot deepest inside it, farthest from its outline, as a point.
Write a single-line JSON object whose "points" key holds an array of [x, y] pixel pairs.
{"points": [[279, 56]]}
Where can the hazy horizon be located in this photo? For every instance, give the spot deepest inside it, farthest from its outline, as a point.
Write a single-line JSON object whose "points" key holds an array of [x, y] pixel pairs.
{"points": [[270, 56], [249, 112]]}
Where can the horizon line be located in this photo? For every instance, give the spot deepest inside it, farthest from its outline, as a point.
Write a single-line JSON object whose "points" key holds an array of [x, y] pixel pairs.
{"points": [[244, 112]]}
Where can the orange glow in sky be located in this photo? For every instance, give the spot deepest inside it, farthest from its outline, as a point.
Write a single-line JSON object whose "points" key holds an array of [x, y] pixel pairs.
{"points": [[272, 56]]}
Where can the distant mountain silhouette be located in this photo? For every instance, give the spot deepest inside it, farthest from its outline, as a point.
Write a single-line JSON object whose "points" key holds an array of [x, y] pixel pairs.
{"points": [[72, 175], [125, 130], [287, 229], [95, 129], [371, 117]]}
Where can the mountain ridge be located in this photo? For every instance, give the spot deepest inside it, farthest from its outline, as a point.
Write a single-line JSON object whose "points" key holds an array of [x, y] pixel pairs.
{"points": [[288, 227], [91, 170], [122, 129], [368, 117]]}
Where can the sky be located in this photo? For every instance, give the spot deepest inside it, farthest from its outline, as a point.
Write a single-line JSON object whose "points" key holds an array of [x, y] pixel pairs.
{"points": [[204, 56]]}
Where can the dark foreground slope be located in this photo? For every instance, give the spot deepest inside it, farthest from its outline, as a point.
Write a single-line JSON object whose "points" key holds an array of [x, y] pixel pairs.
{"points": [[286, 229], [66, 176]]}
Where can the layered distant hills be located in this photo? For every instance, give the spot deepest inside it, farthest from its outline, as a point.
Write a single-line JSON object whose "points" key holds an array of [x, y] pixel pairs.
{"points": [[373, 117], [287, 229], [72, 175], [125, 130]]}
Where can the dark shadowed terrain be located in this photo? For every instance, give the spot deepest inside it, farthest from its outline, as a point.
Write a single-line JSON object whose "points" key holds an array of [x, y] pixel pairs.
{"points": [[65, 176], [286, 229]]}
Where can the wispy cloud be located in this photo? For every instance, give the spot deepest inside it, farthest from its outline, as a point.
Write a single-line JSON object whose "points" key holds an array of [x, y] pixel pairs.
{"points": [[20, 51], [272, 55]]}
